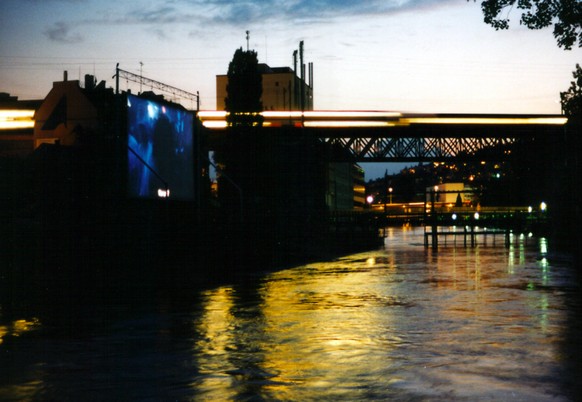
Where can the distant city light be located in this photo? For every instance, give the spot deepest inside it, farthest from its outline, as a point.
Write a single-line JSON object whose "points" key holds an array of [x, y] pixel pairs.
{"points": [[543, 245], [370, 199], [543, 206], [476, 215]]}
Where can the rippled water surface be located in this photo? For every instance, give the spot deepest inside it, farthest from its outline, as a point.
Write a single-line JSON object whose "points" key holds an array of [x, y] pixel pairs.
{"points": [[398, 323]]}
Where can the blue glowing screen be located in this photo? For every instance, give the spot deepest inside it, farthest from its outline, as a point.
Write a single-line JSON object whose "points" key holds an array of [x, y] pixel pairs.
{"points": [[160, 151]]}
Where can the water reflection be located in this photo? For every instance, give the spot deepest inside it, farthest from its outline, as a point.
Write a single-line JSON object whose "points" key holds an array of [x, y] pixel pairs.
{"points": [[18, 327], [461, 323], [399, 323]]}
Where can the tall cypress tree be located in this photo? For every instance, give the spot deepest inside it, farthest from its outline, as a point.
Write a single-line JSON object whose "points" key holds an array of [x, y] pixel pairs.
{"points": [[245, 152], [244, 90]]}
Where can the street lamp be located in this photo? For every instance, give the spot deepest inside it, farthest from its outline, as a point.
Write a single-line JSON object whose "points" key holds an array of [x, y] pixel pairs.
{"points": [[390, 192]]}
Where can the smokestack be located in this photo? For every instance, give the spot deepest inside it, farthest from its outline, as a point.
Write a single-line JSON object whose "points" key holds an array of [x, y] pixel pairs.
{"points": [[65, 76], [294, 103], [302, 68], [311, 86]]}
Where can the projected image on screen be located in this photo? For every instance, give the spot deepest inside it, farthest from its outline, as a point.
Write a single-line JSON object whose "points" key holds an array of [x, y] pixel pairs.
{"points": [[160, 152]]}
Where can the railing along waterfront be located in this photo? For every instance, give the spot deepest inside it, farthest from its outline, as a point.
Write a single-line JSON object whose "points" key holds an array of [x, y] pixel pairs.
{"points": [[481, 222], [463, 225]]}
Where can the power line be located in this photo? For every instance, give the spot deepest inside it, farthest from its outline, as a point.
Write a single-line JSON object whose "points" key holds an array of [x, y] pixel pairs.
{"points": [[176, 92]]}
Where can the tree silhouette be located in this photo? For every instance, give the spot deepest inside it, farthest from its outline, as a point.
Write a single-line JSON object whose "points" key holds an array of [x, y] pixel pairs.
{"points": [[245, 151], [244, 90], [572, 99], [565, 15]]}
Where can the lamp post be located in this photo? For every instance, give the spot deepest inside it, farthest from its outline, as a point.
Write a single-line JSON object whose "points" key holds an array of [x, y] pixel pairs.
{"points": [[390, 192]]}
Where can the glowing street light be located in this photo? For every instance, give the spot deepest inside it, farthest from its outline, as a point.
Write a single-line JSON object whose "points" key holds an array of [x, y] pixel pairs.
{"points": [[543, 206]]}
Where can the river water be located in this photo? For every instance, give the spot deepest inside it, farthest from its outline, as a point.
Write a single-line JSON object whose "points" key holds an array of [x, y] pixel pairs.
{"points": [[402, 323]]}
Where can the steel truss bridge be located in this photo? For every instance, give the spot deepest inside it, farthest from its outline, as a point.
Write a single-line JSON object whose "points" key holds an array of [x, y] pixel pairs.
{"points": [[397, 137]]}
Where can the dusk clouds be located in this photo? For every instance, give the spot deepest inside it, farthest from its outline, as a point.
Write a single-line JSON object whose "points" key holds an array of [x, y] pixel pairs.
{"points": [[63, 32], [215, 14], [411, 55]]}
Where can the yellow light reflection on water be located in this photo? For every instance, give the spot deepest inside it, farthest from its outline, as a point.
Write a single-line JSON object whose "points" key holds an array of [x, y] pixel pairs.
{"points": [[328, 328], [324, 325], [214, 343], [3, 332], [310, 326], [216, 321], [18, 327]]}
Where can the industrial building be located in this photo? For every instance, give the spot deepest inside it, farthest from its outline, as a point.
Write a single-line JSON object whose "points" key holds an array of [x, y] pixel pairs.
{"points": [[282, 89]]}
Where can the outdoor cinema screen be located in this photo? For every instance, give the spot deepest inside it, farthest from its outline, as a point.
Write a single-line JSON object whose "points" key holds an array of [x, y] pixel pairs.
{"points": [[160, 151]]}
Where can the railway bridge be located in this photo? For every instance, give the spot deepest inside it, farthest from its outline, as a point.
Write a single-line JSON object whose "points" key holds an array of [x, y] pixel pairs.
{"points": [[380, 136]]}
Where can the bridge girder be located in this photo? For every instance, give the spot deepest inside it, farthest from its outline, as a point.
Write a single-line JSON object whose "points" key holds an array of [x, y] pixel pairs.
{"points": [[415, 149], [397, 137], [432, 143]]}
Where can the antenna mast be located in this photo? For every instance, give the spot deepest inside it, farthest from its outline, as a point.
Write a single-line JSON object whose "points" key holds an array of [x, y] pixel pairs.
{"points": [[140, 75], [248, 32]]}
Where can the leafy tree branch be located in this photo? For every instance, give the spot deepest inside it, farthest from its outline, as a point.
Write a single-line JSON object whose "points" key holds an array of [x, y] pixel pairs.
{"points": [[564, 15]]}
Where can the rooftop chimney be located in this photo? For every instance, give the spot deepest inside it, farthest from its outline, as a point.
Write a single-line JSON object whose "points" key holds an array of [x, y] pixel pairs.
{"points": [[89, 81]]}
